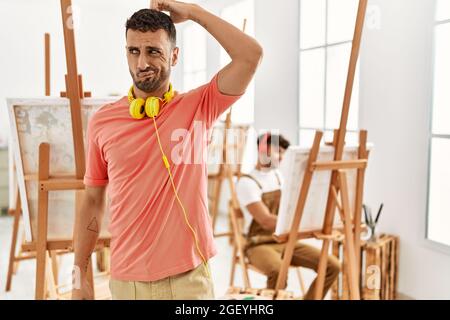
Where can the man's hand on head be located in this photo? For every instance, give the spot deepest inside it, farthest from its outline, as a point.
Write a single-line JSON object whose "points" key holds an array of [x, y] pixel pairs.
{"points": [[179, 11]]}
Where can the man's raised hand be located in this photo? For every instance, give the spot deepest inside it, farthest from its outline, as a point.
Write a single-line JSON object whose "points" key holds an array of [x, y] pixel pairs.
{"points": [[179, 11]]}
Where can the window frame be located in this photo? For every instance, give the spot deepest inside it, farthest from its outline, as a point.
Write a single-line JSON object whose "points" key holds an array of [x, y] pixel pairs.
{"points": [[326, 46], [432, 244]]}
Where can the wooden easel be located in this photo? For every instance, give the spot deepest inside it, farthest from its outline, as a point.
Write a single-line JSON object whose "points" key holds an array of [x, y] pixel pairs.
{"points": [[17, 211], [52, 272], [338, 186], [42, 245]]}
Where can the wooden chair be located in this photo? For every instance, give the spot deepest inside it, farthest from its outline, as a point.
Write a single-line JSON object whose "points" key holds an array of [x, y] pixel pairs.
{"points": [[239, 257]]}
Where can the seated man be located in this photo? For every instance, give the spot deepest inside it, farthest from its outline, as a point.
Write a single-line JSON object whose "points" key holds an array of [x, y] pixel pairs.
{"points": [[259, 196]]}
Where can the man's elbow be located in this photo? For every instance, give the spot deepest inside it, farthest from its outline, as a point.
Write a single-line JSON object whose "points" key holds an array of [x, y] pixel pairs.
{"points": [[257, 55], [259, 52], [254, 56]]}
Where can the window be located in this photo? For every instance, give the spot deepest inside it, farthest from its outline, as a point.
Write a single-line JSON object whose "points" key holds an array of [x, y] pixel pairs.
{"points": [[438, 224], [326, 33], [194, 56], [243, 109]]}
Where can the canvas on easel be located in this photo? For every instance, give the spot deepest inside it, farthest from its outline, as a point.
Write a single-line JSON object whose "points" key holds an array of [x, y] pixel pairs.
{"points": [[293, 168], [33, 122]]}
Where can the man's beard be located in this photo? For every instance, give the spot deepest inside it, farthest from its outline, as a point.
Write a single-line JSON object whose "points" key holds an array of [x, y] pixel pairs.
{"points": [[151, 84]]}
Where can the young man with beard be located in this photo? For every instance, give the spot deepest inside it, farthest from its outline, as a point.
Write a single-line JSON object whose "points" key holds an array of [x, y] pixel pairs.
{"points": [[161, 235]]}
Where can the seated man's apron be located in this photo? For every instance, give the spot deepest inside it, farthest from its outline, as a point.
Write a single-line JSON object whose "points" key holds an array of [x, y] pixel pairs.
{"points": [[257, 234]]}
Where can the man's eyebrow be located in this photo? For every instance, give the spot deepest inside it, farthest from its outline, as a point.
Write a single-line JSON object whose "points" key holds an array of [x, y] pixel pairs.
{"points": [[132, 48], [153, 48]]}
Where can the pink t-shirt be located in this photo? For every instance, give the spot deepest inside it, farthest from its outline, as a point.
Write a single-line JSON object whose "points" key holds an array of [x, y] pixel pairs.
{"points": [[150, 239]]}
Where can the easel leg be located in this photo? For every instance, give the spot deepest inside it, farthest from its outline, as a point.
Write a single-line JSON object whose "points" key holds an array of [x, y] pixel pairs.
{"points": [[237, 243], [245, 275], [323, 261], [322, 270], [301, 281], [12, 252], [103, 260], [233, 266], [40, 274], [41, 242], [290, 246], [50, 282], [362, 154], [287, 258], [100, 255], [19, 252], [215, 206], [349, 244], [54, 263]]}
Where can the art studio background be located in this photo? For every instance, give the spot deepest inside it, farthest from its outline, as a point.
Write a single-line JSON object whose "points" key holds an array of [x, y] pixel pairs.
{"points": [[400, 96]]}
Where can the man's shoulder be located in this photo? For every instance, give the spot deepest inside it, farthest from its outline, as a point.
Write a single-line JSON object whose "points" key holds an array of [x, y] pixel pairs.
{"points": [[106, 109], [249, 180], [262, 178], [119, 103]]}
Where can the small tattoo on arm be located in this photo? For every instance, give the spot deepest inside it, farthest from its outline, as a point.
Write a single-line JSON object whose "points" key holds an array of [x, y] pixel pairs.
{"points": [[93, 226]]}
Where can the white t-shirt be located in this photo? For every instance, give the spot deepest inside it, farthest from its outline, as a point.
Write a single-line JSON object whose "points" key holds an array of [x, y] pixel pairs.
{"points": [[249, 192]]}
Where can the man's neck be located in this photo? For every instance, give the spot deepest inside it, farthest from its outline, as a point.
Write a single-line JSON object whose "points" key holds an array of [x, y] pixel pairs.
{"points": [[138, 93]]}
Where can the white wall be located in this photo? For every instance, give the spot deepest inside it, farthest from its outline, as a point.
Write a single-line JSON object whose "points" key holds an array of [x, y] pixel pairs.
{"points": [[276, 91], [396, 92]]}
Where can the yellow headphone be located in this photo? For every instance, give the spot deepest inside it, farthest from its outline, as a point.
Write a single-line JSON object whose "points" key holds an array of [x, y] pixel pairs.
{"points": [[151, 107]]}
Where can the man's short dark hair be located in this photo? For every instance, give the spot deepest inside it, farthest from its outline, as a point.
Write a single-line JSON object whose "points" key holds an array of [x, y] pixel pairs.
{"points": [[276, 140], [146, 20]]}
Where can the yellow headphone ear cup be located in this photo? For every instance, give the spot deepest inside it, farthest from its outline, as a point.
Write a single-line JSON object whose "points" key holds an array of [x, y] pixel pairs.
{"points": [[152, 107], [137, 110]]}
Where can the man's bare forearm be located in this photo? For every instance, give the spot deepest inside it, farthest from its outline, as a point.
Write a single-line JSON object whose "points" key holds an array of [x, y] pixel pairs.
{"points": [[270, 223], [87, 231], [262, 215], [235, 42]]}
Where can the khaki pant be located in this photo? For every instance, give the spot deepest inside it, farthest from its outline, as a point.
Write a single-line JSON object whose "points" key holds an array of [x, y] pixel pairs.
{"points": [[191, 285], [268, 258]]}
